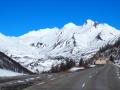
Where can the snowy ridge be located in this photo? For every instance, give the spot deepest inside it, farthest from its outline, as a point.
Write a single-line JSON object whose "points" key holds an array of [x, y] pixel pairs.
{"points": [[37, 50]]}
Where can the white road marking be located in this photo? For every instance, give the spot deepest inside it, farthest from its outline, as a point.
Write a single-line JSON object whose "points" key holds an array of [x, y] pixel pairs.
{"points": [[38, 77], [53, 79], [41, 83], [49, 76], [118, 73], [90, 76], [83, 85]]}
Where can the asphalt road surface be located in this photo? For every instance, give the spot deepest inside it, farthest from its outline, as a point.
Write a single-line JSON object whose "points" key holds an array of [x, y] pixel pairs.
{"points": [[105, 77]]}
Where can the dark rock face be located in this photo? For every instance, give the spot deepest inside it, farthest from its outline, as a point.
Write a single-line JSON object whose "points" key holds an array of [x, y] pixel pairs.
{"points": [[9, 64]]}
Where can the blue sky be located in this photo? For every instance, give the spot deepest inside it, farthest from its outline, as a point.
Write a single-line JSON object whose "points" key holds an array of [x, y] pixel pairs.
{"points": [[21, 16]]}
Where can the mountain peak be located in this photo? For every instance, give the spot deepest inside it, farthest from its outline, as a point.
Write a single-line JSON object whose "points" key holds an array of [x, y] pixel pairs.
{"points": [[89, 22], [70, 25]]}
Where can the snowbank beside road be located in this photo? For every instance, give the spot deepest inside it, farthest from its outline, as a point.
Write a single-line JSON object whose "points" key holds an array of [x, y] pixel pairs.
{"points": [[7, 73], [76, 69]]}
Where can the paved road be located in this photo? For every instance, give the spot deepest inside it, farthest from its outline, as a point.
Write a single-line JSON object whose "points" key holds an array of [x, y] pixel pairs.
{"points": [[20, 82], [105, 77]]}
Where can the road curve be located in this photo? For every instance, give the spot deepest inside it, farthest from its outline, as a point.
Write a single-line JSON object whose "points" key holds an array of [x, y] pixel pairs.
{"points": [[105, 77]]}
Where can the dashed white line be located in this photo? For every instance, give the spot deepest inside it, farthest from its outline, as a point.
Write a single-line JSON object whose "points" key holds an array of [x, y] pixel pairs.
{"points": [[52, 78], [83, 85], [118, 73], [49, 76], [90, 76], [41, 83], [38, 77]]}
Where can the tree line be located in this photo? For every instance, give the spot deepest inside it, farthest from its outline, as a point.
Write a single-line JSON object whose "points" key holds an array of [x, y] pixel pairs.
{"points": [[69, 63]]}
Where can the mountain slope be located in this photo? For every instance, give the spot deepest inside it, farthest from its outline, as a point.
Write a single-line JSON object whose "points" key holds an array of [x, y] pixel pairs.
{"points": [[39, 50], [109, 52]]}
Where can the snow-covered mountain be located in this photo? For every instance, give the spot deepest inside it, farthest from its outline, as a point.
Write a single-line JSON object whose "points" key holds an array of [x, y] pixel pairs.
{"points": [[39, 50]]}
